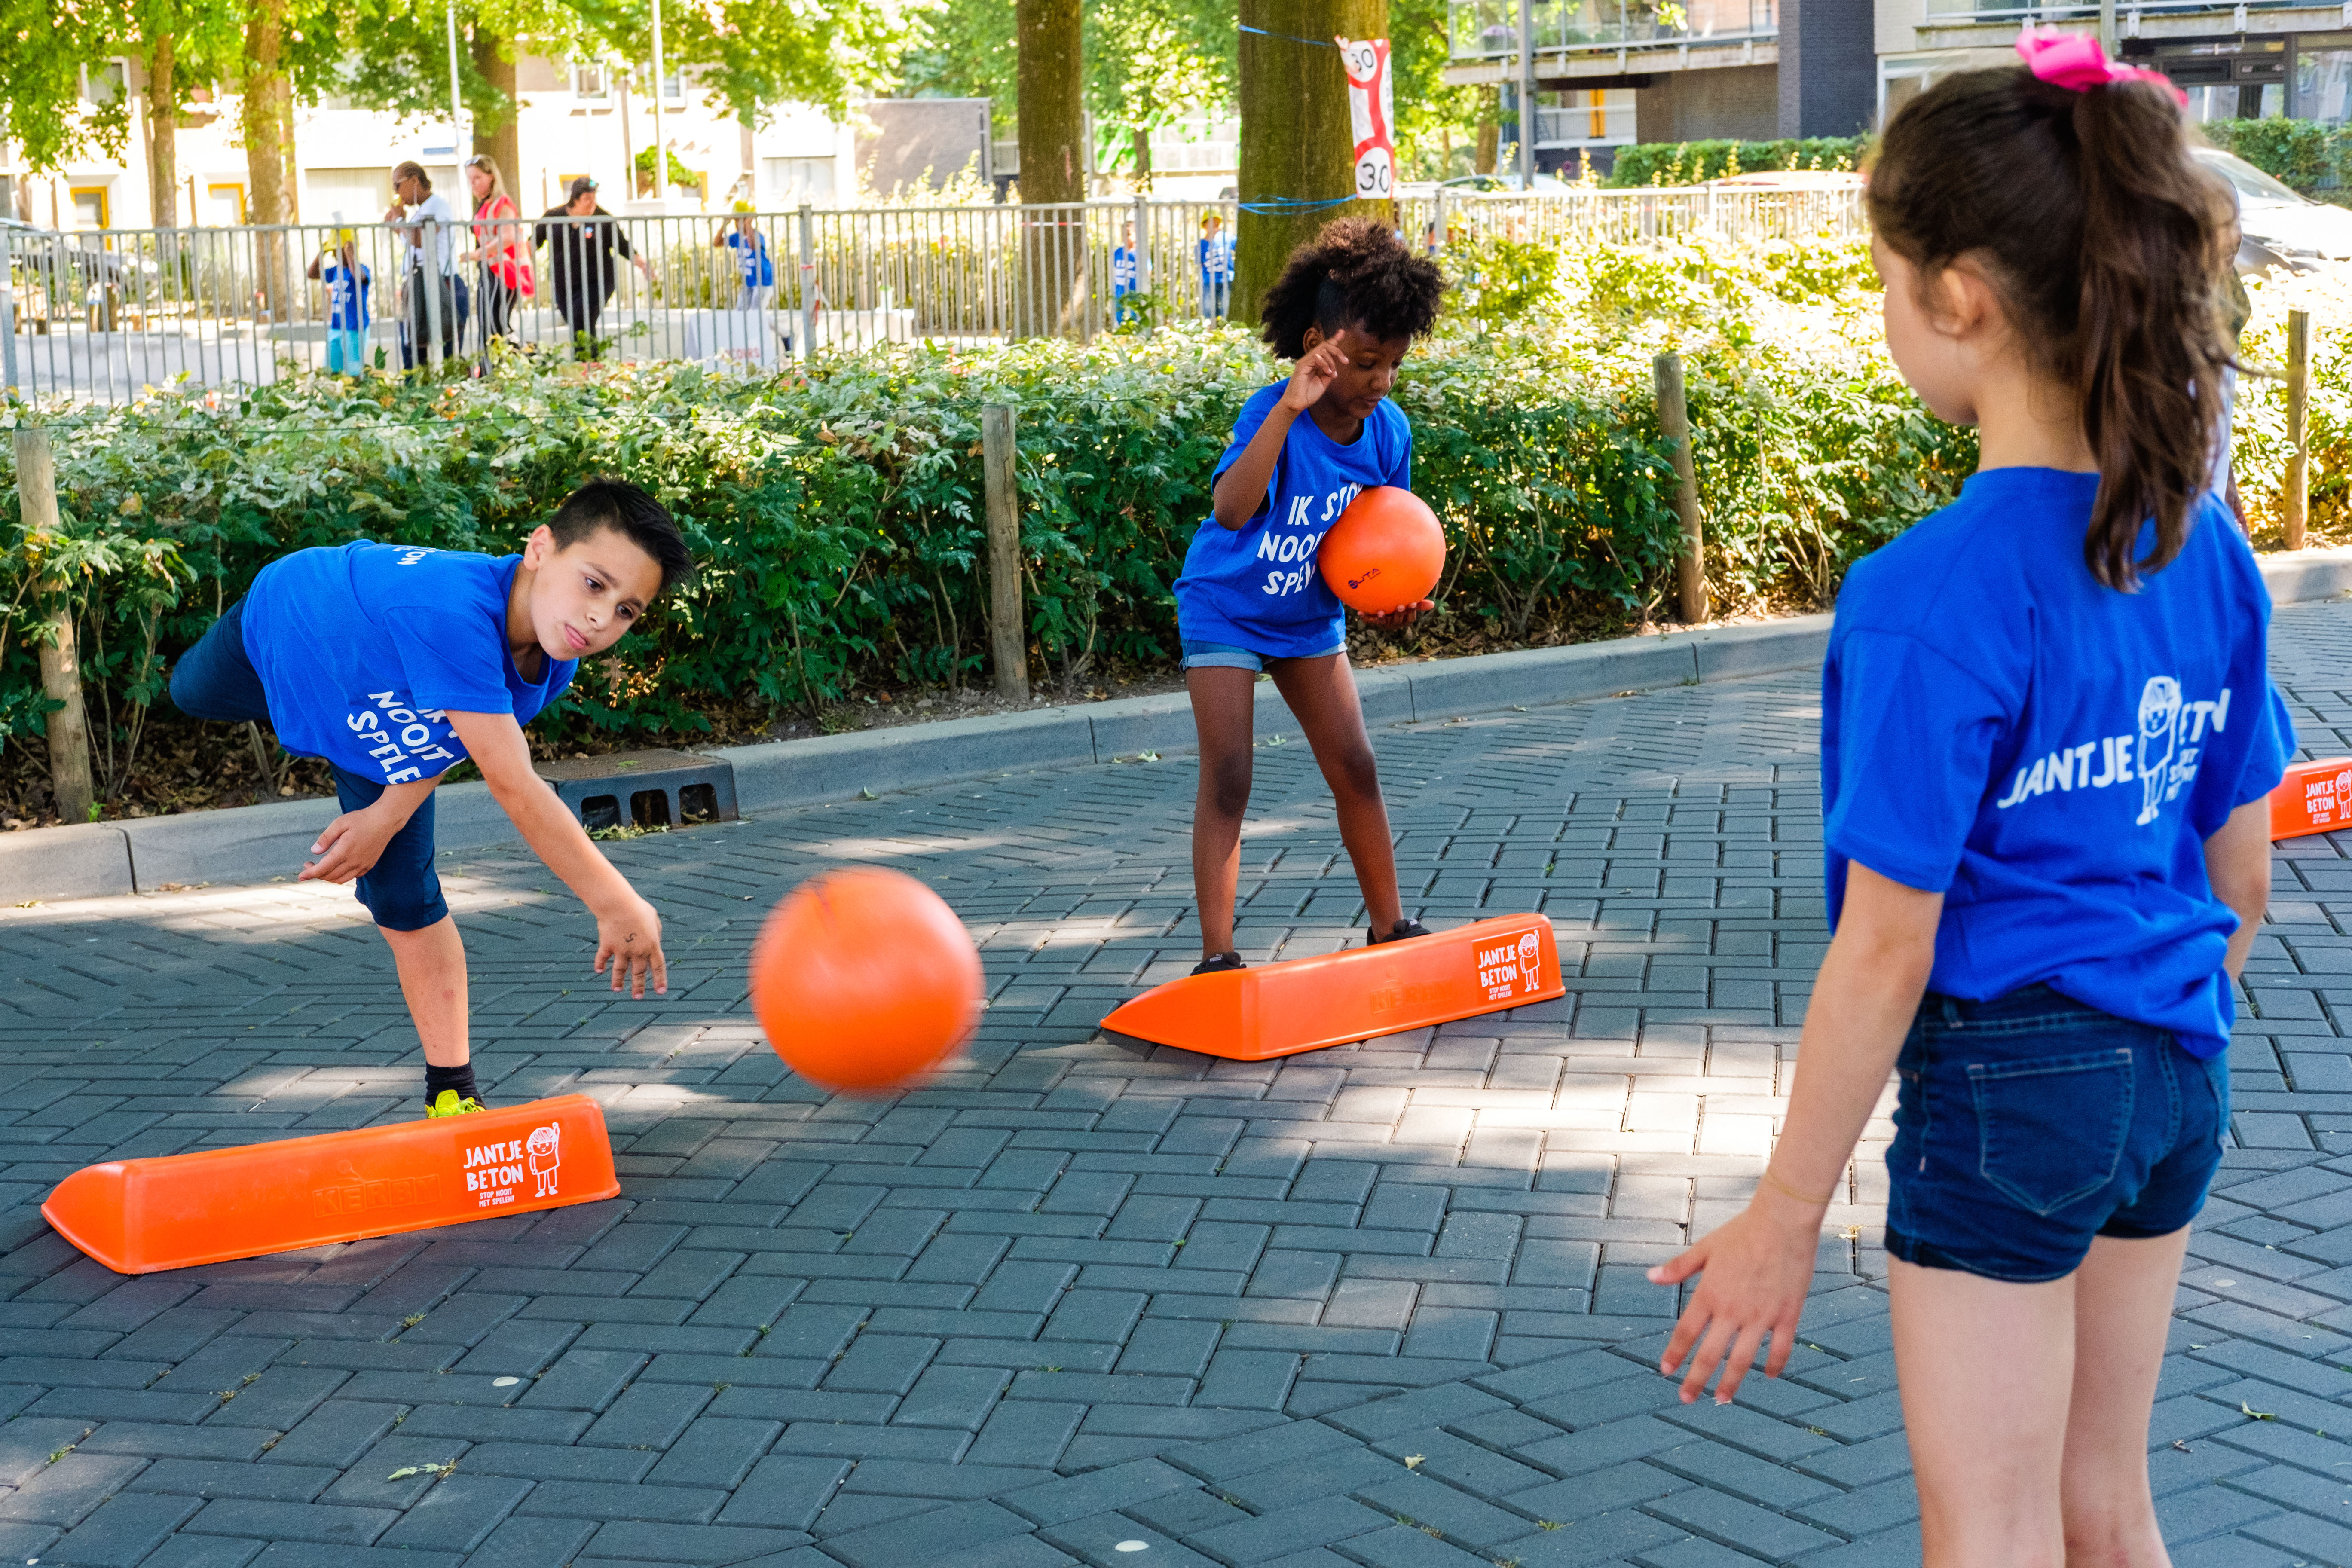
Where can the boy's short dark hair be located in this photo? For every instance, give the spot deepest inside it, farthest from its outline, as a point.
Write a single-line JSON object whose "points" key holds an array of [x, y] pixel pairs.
{"points": [[1356, 273], [634, 515]]}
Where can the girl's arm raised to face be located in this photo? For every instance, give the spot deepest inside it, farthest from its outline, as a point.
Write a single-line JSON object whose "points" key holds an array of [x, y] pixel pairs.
{"points": [[1757, 1265], [1241, 490]]}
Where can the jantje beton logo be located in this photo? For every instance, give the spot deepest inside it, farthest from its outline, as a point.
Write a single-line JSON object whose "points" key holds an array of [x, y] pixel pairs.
{"points": [[495, 1172], [1511, 969]]}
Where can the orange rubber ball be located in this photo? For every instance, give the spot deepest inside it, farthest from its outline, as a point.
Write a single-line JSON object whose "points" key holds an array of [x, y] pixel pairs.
{"points": [[864, 980], [1384, 553]]}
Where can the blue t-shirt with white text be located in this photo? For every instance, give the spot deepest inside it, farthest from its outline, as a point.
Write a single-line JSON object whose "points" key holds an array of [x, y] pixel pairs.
{"points": [[363, 649], [2050, 754], [1255, 586]]}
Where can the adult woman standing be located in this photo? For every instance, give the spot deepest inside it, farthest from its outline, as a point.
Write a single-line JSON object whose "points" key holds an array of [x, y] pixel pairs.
{"points": [[582, 239], [498, 249]]}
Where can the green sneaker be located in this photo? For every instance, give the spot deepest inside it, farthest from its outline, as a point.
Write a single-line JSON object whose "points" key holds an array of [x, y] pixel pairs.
{"points": [[449, 1104]]}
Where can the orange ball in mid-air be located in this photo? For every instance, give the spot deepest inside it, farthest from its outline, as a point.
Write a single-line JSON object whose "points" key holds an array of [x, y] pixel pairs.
{"points": [[1385, 553], [864, 980]]}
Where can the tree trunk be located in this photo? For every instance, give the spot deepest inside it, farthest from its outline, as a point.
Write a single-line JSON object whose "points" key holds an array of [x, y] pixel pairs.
{"points": [[1143, 159], [499, 132], [292, 189], [1298, 141], [1052, 165], [262, 119], [162, 133], [1490, 130]]}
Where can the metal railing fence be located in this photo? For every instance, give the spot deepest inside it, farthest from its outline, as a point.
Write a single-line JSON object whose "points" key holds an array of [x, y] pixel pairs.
{"points": [[100, 315]]}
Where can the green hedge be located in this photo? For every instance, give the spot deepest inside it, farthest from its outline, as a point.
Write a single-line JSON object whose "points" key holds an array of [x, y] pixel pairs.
{"points": [[837, 517], [1690, 163], [2303, 153]]}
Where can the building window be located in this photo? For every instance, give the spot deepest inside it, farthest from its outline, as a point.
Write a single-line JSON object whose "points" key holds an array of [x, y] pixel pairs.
{"points": [[223, 204], [2323, 79], [90, 207], [588, 82], [673, 85], [102, 84]]}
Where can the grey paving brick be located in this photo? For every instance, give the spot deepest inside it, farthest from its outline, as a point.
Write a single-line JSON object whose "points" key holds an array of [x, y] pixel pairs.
{"points": [[123, 1530], [255, 1520]]}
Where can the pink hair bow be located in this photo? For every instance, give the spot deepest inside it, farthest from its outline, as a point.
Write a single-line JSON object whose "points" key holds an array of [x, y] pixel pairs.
{"points": [[2076, 62]]}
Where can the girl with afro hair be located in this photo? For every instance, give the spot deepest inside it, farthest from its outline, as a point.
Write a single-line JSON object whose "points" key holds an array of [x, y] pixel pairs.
{"points": [[1345, 310]]}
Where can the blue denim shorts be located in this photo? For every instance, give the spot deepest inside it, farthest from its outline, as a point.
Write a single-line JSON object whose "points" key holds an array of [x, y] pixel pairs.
{"points": [[216, 679], [2026, 1125], [1227, 655]]}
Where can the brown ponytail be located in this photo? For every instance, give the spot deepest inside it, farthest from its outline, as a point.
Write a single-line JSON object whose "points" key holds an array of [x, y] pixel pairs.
{"points": [[2085, 211]]}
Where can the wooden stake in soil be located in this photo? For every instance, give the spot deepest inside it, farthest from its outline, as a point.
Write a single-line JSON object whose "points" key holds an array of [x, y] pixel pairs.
{"points": [[1008, 639], [68, 726], [2296, 500], [1673, 424]]}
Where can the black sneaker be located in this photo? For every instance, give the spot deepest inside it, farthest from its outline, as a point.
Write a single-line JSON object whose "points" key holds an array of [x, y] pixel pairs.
{"points": [[1219, 963], [1403, 929]]}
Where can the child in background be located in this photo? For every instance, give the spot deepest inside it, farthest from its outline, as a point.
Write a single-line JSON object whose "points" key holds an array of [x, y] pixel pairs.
{"points": [[1345, 308], [1216, 258], [1126, 270], [347, 278], [395, 664], [2047, 741]]}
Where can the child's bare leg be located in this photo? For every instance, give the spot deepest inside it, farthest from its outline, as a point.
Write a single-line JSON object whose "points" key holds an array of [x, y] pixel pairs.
{"points": [[1321, 693], [1222, 701], [432, 964], [1984, 1366], [2123, 1316]]}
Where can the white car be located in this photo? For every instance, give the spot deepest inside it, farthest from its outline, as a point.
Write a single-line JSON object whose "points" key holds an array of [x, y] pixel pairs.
{"points": [[2281, 226]]}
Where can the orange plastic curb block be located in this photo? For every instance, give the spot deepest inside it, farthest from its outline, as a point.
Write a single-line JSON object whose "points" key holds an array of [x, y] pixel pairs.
{"points": [[139, 1215], [2314, 797], [1306, 1003]]}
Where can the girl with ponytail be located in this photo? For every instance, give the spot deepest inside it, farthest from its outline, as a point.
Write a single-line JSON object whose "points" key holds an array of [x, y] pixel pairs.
{"points": [[2047, 738]]}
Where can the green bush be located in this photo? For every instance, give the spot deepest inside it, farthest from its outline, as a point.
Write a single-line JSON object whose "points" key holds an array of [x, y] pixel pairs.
{"points": [[2309, 156], [837, 517], [1691, 163]]}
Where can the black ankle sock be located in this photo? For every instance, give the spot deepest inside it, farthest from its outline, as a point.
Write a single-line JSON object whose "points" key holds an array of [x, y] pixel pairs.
{"points": [[460, 1078]]}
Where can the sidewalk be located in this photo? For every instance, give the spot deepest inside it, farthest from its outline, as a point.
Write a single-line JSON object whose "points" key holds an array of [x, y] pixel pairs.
{"points": [[1380, 1305]]}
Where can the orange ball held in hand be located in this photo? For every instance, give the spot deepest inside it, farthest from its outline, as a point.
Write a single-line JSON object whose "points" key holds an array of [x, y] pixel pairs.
{"points": [[864, 980], [1384, 553]]}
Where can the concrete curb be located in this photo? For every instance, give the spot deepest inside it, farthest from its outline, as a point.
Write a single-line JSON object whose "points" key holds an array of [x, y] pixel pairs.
{"points": [[239, 844]]}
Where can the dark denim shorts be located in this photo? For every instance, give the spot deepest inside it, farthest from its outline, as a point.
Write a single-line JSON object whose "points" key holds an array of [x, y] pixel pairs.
{"points": [[2026, 1125], [216, 679]]}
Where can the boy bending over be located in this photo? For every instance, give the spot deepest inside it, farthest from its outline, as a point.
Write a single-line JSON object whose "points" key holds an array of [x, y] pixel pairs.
{"points": [[394, 663]]}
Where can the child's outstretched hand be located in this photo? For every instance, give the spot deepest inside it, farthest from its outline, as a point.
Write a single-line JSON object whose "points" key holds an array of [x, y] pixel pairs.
{"points": [[1313, 376], [629, 937], [1399, 620], [1758, 1267]]}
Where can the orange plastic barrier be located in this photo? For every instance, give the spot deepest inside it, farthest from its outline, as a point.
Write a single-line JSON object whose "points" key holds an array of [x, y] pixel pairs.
{"points": [[2314, 797], [1306, 1003], [139, 1215]]}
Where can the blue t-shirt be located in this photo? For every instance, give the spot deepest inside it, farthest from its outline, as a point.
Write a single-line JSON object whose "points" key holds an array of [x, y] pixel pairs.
{"points": [[1216, 257], [752, 256], [1123, 270], [347, 302], [1255, 586], [363, 648], [2052, 754]]}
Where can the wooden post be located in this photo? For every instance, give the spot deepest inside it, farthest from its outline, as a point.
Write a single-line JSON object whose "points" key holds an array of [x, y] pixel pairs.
{"points": [[1008, 635], [68, 726], [2295, 502], [1674, 423]]}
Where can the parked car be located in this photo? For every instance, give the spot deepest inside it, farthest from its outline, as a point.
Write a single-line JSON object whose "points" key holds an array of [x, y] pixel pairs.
{"points": [[2280, 226]]}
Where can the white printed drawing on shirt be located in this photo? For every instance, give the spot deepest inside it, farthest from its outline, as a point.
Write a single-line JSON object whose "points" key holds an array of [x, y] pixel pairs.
{"points": [[1282, 547], [399, 738], [2160, 751]]}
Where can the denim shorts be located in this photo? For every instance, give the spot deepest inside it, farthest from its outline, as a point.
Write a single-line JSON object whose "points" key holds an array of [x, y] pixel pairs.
{"points": [[1227, 655], [216, 679], [2026, 1125]]}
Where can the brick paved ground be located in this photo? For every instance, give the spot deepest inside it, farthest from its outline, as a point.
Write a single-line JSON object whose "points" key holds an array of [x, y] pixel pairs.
{"points": [[1078, 1302]]}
